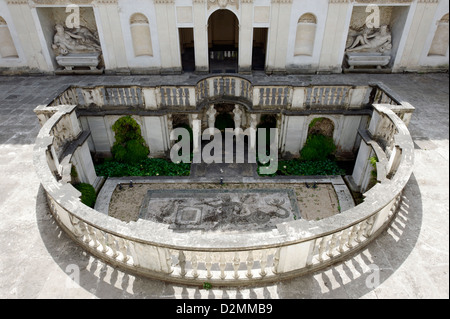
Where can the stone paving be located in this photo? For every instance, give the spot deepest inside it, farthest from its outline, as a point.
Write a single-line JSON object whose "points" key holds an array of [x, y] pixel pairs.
{"points": [[411, 257]]}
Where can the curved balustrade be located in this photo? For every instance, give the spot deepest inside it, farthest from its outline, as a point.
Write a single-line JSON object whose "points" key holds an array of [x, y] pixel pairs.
{"points": [[215, 88], [294, 248]]}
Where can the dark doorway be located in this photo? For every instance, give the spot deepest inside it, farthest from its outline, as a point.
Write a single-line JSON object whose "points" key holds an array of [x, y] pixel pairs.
{"points": [[187, 49], [223, 42], [259, 49]]}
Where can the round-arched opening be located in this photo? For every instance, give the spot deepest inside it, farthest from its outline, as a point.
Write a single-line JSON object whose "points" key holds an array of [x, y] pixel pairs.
{"points": [[321, 126], [224, 118], [223, 42]]}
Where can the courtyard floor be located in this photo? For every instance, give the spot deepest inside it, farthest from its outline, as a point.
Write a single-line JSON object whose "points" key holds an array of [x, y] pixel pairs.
{"points": [[412, 256]]}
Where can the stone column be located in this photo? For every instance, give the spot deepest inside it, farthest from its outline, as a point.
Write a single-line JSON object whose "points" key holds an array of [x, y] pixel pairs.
{"points": [[111, 36], [246, 37], [29, 38], [336, 29], [201, 37], [417, 35], [168, 36], [278, 35]]}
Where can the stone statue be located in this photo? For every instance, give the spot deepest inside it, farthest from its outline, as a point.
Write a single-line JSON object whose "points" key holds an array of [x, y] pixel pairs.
{"points": [[237, 116], [379, 41], [253, 128], [211, 117], [253, 121], [77, 40]]}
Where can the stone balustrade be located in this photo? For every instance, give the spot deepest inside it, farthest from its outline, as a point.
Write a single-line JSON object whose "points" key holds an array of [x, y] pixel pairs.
{"points": [[217, 89], [223, 259]]}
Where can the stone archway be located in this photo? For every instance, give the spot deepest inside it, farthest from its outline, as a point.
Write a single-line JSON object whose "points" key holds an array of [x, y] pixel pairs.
{"points": [[223, 42], [321, 126]]}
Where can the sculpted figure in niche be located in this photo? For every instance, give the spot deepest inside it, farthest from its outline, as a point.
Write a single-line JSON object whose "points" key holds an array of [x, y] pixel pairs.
{"points": [[211, 117], [365, 41], [237, 116], [78, 40]]}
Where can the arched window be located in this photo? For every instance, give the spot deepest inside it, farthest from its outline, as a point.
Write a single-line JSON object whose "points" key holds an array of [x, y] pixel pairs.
{"points": [[306, 34], [439, 46], [140, 34], [7, 48]]}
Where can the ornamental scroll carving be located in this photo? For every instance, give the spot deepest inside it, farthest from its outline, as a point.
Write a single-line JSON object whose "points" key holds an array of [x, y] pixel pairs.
{"points": [[223, 3]]}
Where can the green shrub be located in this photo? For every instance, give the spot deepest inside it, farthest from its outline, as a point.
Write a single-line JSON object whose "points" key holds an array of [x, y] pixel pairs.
{"points": [[88, 194], [317, 148], [146, 167], [297, 167], [129, 146], [127, 129]]}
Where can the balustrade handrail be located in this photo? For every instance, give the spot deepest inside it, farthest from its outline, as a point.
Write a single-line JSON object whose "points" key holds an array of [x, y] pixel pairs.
{"points": [[93, 229], [223, 86], [391, 186]]}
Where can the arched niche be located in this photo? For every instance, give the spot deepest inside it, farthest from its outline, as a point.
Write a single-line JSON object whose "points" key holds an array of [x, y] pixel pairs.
{"points": [[7, 47], [321, 126], [305, 35], [439, 46], [140, 34]]}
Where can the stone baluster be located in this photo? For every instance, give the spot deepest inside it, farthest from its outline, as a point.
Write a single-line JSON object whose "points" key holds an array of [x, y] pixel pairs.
{"points": [[208, 265], [112, 244], [222, 265], [236, 264], [352, 236], [182, 263], [84, 232], [250, 262], [101, 238], [76, 226], [322, 248], [361, 231], [263, 263], [276, 260], [194, 263], [169, 262], [333, 243], [123, 249], [343, 240], [93, 235], [370, 223]]}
